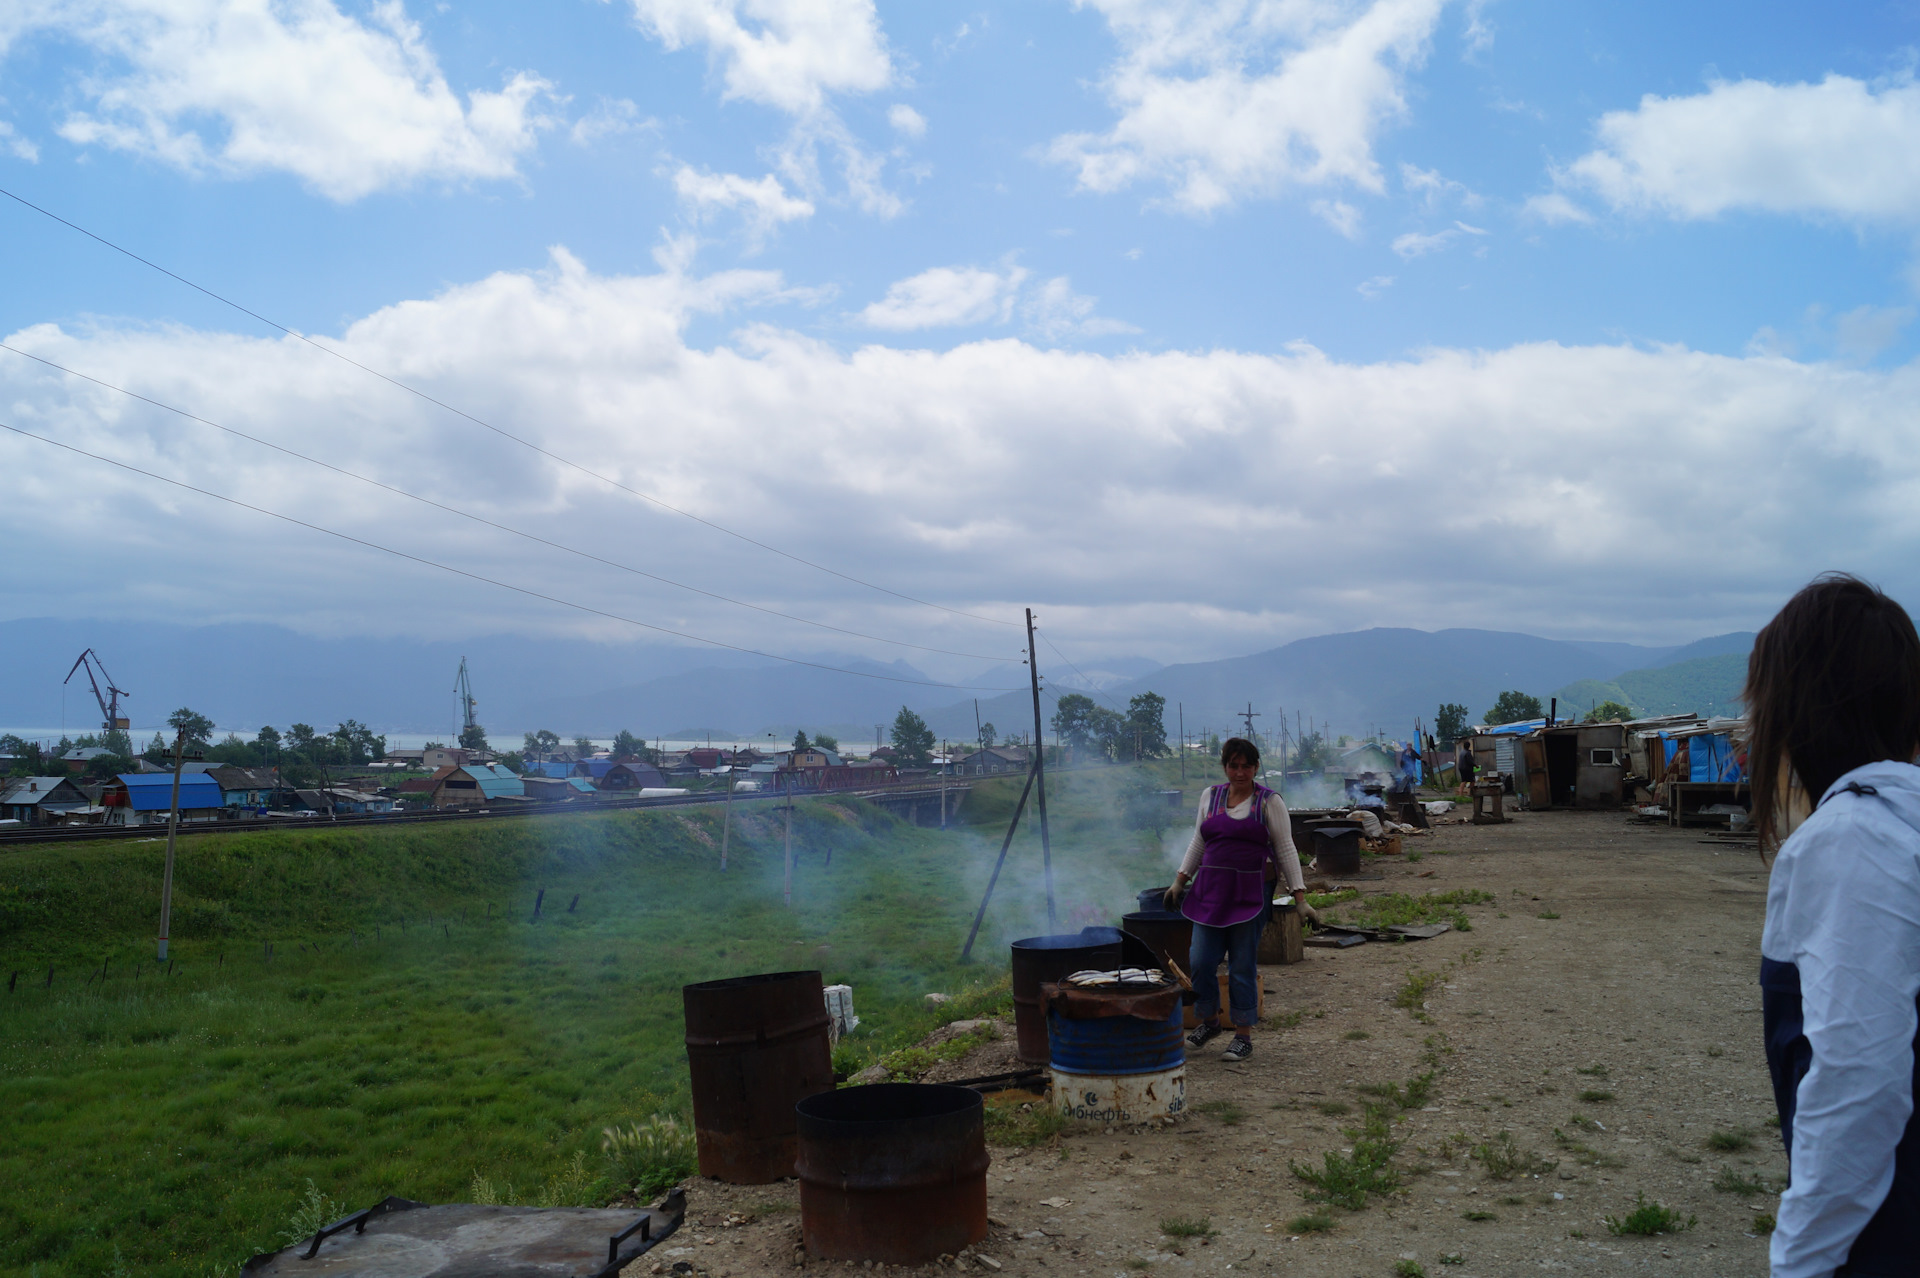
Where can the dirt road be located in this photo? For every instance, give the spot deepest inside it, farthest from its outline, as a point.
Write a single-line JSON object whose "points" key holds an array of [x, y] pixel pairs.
{"points": [[1603, 1013]]}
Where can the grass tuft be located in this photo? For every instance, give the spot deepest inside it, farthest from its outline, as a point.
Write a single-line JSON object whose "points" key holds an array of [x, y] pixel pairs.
{"points": [[1596, 1098], [1503, 1159], [1408, 1269], [1187, 1226], [1478, 1215], [1730, 1181], [1225, 1112], [1730, 1142], [1346, 1180], [1649, 1219], [649, 1157], [1318, 1222], [1025, 1125]]}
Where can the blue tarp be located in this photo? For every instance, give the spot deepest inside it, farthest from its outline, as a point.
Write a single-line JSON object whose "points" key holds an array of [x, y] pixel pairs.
{"points": [[153, 791], [1711, 758]]}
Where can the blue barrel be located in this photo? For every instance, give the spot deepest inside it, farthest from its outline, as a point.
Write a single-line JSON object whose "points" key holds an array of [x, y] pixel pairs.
{"points": [[1112, 1045]]}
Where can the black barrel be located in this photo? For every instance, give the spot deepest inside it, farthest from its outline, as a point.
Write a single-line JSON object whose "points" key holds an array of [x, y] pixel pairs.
{"points": [[1039, 959], [1167, 933], [895, 1173], [1336, 847], [755, 1046]]}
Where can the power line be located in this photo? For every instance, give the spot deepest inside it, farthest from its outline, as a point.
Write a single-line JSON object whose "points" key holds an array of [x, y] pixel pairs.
{"points": [[1077, 670], [504, 434], [491, 581], [481, 519]]}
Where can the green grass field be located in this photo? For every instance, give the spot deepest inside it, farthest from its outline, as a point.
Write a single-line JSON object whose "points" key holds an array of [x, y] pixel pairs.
{"points": [[416, 1027]]}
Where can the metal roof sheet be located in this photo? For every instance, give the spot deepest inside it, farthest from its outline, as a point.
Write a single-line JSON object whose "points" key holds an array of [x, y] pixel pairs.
{"points": [[153, 791]]}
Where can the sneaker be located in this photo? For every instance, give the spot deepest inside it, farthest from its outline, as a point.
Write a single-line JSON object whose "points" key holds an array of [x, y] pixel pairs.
{"points": [[1238, 1050], [1199, 1035]]}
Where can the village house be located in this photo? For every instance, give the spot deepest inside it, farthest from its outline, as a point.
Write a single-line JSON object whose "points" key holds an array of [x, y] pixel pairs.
{"points": [[145, 798], [256, 789], [630, 775], [475, 785], [991, 760], [39, 800], [549, 789]]}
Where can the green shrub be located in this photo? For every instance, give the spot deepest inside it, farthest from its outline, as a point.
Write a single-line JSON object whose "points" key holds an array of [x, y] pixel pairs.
{"points": [[1187, 1226], [649, 1157], [1408, 1269], [1345, 1180], [1318, 1222], [1649, 1219]]}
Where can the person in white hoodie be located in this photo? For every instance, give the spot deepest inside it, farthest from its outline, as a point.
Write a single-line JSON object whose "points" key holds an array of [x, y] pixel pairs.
{"points": [[1833, 712]]}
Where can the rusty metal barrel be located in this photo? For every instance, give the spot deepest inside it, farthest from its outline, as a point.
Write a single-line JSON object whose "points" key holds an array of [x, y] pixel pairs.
{"points": [[895, 1173], [1167, 933], [1039, 959], [755, 1046]]}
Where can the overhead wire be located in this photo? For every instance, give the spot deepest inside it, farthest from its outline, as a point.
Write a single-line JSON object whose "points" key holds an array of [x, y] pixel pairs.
{"points": [[481, 519], [481, 577], [503, 433], [1077, 670]]}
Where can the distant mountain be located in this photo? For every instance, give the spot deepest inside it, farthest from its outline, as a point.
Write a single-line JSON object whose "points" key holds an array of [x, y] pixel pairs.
{"points": [[1708, 685], [1354, 682]]}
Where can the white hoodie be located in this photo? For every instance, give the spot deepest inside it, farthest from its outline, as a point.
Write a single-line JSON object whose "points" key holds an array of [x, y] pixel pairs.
{"points": [[1843, 908]]}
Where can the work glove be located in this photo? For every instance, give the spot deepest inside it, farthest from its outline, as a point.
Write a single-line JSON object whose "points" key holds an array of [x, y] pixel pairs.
{"points": [[1172, 898]]}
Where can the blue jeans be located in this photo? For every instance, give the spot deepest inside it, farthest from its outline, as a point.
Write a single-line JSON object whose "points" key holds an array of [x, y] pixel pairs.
{"points": [[1240, 946]]}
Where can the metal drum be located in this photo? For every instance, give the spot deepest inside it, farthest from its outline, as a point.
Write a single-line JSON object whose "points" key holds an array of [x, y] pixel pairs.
{"points": [[1039, 959], [895, 1173], [1167, 933], [1117, 1057], [755, 1045], [1336, 847]]}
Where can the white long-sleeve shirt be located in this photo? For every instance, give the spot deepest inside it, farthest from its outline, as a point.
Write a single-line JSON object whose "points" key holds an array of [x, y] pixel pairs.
{"points": [[1843, 908], [1279, 830]]}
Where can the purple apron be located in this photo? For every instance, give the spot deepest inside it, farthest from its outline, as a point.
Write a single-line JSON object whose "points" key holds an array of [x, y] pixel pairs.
{"points": [[1231, 884]]}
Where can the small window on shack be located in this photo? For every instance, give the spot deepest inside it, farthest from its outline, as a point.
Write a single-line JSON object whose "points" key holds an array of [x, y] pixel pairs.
{"points": [[1604, 758]]}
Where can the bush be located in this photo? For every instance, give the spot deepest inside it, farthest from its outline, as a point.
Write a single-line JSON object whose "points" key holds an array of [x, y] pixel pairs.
{"points": [[1187, 1226], [649, 1157], [1318, 1222], [1649, 1219], [1345, 1180]]}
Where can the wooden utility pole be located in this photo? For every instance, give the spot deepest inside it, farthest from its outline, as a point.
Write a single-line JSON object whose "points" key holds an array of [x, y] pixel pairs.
{"points": [[1183, 741], [1040, 773], [173, 824], [726, 812], [789, 851]]}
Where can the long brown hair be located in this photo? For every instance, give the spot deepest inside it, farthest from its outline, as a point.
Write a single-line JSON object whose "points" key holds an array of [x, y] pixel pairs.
{"points": [[1833, 683]]}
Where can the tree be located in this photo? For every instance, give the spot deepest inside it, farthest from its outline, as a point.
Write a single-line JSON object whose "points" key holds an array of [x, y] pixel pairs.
{"points": [[1073, 720], [473, 738], [628, 746], [1312, 754], [824, 742], [912, 740], [1610, 712], [198, 727], [987, 733], [539, 745], [1449, 723], [1145, 730], [800, 741], [1513, 707], [582, 748], [267, 742]]}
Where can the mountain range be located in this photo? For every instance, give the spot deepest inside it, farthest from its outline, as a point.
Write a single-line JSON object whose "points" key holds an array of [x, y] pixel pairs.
{"points": [[245, 675]]}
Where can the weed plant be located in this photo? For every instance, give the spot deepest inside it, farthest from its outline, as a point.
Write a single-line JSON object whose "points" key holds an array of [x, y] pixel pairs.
{"points": [[1224, 1112], [1346, 1180], [1025, 1124], [1187, 1226], [1478, 1215], [1408, 1269], [1318, 1222], [1393, 908], [1649, 1220], [1596, 1098], [649, 1157], [1730, 1142], [1503, 1159], [1730, 1181]]}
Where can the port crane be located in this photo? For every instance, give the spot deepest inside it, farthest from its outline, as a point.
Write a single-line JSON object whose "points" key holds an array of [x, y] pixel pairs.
{"points": [[109, 702], [463, 691]]}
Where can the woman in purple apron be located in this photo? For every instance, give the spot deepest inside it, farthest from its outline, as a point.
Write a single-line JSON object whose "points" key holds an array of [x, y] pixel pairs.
{"points": [[1240, 830]]}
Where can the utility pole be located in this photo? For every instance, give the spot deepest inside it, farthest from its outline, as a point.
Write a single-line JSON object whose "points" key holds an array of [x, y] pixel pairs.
{"points": [[1249, 714], [946, 761], [789, 850], [726, 812], [1183, 741], [1040, 774], [173, 825], [976, 723]]}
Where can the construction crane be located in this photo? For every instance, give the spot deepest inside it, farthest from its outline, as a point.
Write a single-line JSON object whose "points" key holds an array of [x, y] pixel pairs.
{"points": [[463, 690], [110, 702]]}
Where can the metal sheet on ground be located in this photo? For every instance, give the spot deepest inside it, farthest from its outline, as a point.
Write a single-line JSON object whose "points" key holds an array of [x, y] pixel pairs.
{"points": [[466, 1240]]}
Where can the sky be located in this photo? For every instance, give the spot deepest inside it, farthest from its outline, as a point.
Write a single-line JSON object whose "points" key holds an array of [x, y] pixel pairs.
{"points": [[1197, 326]]}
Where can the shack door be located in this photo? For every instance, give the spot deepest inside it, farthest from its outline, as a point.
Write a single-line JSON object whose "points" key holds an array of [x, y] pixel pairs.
{"points": [[1539, 793]]}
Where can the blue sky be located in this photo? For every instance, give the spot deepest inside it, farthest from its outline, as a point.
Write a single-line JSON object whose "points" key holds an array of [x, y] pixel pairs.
{"points": [[1261, 319]]}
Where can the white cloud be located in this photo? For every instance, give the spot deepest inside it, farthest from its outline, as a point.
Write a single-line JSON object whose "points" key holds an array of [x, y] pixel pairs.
{"points": [[1554, 207], [946, 296], [906, 121], [1374, 286], [1221, 100], [15, 145], [609, 119], [1418, 243], [1340, 215], [1841, 148], [764, 203], [938, 471], [1433, 188], [788, 54], [247, 86], [1055, 311]]}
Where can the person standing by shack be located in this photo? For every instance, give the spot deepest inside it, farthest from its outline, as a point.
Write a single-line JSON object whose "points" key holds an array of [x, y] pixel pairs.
{"points": [[1833, 719], [1240, 831]]}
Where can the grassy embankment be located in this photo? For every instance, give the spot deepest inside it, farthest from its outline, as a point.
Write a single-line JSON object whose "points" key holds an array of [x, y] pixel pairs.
{"points": [[416, 1027]]}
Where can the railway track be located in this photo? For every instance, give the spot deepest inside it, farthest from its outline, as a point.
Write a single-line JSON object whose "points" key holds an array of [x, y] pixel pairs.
{"points": [[884, 795]]}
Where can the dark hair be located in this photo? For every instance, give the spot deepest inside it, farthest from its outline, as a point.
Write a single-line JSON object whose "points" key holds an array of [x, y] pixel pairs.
{"points": [[1239, 748], [1833, 683]]}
